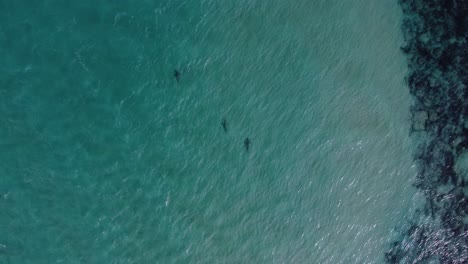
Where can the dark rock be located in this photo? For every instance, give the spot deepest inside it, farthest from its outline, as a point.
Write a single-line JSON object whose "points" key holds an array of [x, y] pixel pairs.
{"points": [[446, 58], [405, 49]]}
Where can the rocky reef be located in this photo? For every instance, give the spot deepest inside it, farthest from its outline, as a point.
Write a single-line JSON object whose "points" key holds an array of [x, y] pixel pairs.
{"points": [[436, 36]]}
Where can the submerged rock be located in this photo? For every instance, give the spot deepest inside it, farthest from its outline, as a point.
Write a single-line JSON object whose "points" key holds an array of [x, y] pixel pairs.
{"points": [[435, 33], [419, 120]]}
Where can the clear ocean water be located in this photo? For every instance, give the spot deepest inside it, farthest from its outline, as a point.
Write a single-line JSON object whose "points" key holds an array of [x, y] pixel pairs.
{"points": [[106, 158]]}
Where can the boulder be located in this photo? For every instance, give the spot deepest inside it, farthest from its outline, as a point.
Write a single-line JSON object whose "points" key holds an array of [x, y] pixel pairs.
{"points": [[419, 120]]}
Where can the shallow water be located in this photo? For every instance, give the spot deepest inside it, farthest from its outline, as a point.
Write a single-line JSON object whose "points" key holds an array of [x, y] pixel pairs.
{"points": [[108, 159]]}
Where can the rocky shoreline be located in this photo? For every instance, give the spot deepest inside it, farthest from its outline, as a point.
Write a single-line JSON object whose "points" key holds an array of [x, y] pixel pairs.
{"points": [[436, 36]]}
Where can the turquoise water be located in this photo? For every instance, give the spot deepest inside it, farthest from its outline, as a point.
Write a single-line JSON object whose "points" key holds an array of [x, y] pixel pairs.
{"points": [[106, 158]]}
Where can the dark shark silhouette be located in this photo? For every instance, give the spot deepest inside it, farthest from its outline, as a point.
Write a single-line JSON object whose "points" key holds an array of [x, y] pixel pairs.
{"points": [[247, 143], [224, 124], [177, 75]]}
